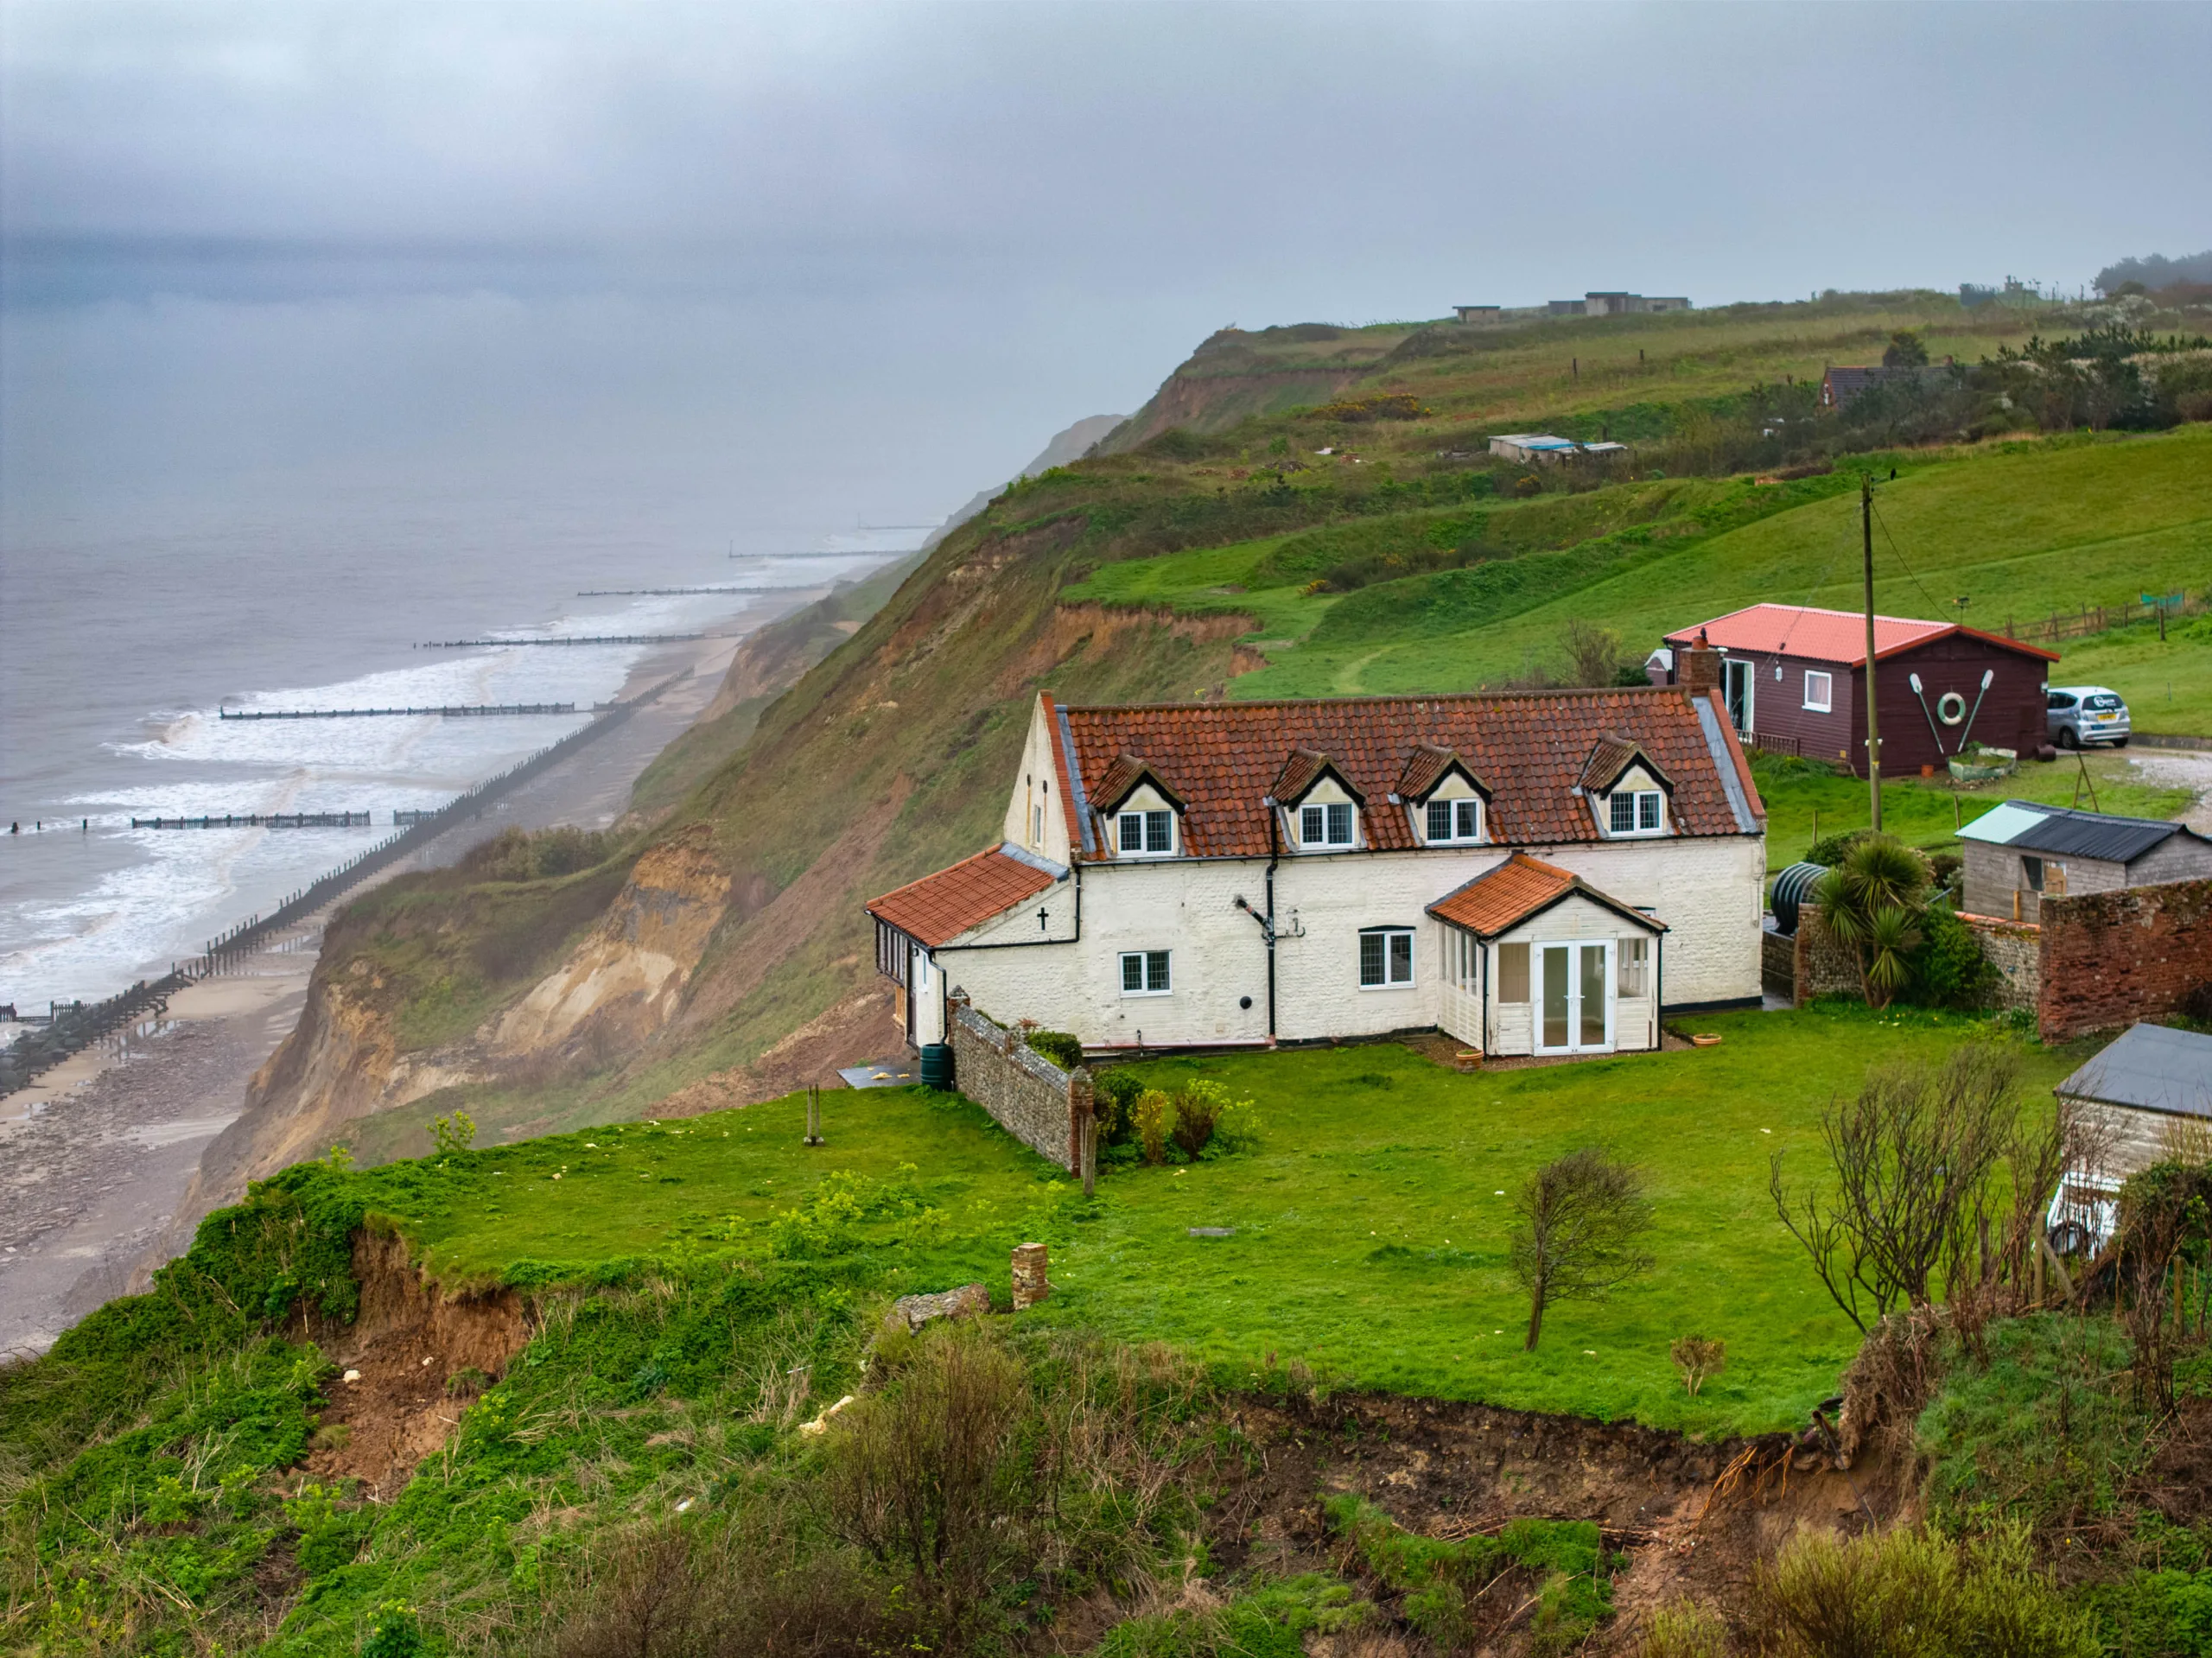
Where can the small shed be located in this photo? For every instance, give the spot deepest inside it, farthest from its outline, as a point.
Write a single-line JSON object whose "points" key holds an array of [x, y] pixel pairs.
{"points": [[1476, 313], [2023, 851], [2151, 1089], [1795, 679]]}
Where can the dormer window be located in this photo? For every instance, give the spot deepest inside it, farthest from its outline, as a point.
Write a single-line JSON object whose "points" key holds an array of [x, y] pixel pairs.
{"points": [[1636, 811], [1328, 824], [1145, 834], [1454, 820]]}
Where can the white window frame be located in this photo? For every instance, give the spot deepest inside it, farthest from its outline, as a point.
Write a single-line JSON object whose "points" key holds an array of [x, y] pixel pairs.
{"points": [[1328, 811], [1145, 961], [1144, 817], [1388, 937], [1463, 809], [1826, 703], [1652, 802]]}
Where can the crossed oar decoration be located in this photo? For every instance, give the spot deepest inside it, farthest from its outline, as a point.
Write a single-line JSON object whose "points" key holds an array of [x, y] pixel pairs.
{"points": [[1988, 675]]}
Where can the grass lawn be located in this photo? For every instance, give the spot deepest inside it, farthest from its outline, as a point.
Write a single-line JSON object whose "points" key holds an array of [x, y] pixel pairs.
{"points": [[1924, 813], [1370, 1237]]}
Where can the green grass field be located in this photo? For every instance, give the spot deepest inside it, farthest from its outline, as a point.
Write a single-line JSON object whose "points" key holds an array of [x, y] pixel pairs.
{"points": [[2020, 529], [1369, 1237], [2167, 684]]}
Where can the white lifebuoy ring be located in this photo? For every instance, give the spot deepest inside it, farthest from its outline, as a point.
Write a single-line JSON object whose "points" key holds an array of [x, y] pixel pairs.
{"points": [[1950, 707]]}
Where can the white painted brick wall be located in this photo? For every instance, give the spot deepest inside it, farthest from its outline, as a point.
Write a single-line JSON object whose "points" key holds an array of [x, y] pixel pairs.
{"points": [[1707, 890]]}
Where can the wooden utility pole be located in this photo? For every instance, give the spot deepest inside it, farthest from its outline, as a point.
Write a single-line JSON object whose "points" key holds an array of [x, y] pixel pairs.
{"points": [[1873, 711]]}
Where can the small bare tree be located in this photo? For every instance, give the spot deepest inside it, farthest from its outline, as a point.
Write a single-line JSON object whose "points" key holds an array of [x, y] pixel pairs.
{"points": [[1696, 1358], [1917, 1209], [1593, 653], [1582, 1221]]}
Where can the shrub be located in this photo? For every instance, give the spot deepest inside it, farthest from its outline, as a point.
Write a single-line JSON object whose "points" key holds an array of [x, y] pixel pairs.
{"points": [[1153, 1116], [1698, 1358], [519, 855], [1948, 968], [1113, 1098], [455, 1134], [1832, 850], [1683, 1629], [1063, 1050], [1916, 1592]]}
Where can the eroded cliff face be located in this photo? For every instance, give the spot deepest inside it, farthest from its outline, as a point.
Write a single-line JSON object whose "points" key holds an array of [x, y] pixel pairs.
{"points": [[627, 980]]}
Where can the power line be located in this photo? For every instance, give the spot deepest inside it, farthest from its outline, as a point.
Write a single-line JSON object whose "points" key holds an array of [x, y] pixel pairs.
{"points": [[1908, 568]]}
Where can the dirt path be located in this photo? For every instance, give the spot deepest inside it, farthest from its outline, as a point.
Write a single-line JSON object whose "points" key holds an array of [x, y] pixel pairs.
{"points": [[97, 1157]]}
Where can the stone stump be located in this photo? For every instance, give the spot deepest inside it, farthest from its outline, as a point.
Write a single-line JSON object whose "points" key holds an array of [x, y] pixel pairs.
{"points": [[1030, 1283]]}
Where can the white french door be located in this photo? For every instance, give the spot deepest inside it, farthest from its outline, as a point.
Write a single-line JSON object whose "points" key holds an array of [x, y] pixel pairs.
{"points": [[1574, 994]]}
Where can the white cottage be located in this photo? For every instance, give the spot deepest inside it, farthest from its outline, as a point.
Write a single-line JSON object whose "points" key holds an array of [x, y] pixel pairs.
{"points": [[1543, 873]]}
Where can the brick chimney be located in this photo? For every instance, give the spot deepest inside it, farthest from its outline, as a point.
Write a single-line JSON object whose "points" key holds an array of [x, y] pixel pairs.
{"points": [[1697, 669]]}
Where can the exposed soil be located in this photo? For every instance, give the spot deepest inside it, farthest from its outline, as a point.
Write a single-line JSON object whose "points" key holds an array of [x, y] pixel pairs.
{"points": [[1693, 1518], [410, 1355]]}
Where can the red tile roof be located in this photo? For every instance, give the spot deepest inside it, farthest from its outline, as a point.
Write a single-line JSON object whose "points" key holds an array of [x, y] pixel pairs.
{"points": [[1516, 889], [939, 908], [1829, 635], [1429, 766], [1612, 754], [1222, 758], [1122, 779]]}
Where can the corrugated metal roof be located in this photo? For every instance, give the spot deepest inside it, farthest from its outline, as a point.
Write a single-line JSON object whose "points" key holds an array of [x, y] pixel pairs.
{"points": [[2153, 1067], [2062, 832]]}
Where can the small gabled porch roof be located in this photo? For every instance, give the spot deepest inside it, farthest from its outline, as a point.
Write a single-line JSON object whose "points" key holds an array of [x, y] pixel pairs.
{"points": [[938, 908], [1500, 899]]}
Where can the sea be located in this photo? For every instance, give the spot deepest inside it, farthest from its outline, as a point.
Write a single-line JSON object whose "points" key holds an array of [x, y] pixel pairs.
{"points": [[123, 639]]}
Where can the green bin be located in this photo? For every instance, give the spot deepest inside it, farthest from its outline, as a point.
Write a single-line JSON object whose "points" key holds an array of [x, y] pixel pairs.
{"points": [[937, 1064]]}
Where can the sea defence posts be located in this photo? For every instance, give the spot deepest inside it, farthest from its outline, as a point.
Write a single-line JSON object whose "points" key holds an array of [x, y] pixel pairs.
{"points": [[72, 1026], [260, 820], [455, 712], [20, 1063], [580, 639]]}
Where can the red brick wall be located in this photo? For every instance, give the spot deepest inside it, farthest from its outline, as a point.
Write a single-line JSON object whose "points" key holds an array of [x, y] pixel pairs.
{"points": [[2112, 958]]}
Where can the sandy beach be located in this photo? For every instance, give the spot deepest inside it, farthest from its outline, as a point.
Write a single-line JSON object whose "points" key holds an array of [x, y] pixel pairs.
{"points": [[96, 1156]]}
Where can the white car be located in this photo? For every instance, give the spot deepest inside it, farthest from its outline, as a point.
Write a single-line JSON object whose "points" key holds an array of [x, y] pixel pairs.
{"points": [[2083, 714]]}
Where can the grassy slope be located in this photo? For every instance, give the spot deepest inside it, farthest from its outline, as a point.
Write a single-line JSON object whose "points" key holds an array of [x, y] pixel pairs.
{"points": [[2022, 529], [1370, 1241]]}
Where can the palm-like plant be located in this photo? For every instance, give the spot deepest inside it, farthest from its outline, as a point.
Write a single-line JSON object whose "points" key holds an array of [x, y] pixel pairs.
{"points": [[1871, 901]]}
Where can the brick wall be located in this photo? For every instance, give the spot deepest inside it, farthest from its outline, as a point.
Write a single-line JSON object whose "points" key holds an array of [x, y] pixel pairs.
{"points": [[1824, 967], [2111, 958], [2015, 951], [1032, 1098], [1778, 961]]}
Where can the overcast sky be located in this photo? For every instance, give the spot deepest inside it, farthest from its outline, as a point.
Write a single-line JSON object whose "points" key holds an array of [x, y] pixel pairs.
{"points": [[794, 266]]}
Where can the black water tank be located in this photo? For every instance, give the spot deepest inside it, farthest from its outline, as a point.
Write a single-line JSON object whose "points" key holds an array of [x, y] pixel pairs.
{"points": [[1791, 887], [937, 1064]]}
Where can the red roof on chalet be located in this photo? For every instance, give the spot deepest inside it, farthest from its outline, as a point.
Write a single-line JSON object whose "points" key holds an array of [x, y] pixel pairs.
{"points": [[1225, 759], [1838, 635], [1516, 889], [939, 908]]}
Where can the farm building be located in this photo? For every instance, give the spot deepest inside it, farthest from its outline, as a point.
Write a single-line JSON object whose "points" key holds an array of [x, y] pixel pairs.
{"points": [[1541, 447], [1794, 679], [2022, 851], [1477, 313], [2151, 1089], [1544, 872]]}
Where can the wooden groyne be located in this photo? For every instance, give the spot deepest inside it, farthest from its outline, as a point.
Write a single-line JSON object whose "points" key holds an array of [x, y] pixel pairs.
{"points": [[260, 820], [18, 1065], [458, 711], [582, 638], [72, 1026]]}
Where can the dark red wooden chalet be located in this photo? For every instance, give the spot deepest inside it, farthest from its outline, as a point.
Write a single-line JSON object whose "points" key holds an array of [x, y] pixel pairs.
{"points": [[1794, 679]]}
